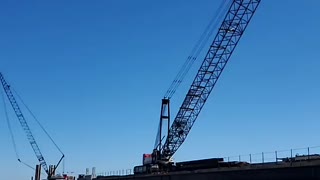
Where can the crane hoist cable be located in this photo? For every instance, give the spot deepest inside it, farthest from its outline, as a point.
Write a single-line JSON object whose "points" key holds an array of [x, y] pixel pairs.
{"points": [[11, 133], [205, 36], [10, 127], [36, 119], [202, 41]]}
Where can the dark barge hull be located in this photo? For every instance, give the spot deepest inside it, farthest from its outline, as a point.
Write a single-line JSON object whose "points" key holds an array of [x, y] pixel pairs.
{"points": [[267, 171]]}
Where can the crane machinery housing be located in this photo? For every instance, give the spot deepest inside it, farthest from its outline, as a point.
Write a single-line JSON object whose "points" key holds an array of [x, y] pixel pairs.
{"points": [[232, 28], [50, 171]]}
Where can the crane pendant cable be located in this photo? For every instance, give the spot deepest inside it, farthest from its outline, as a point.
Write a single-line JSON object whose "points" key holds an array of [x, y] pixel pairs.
{"points": [[197, 48]]}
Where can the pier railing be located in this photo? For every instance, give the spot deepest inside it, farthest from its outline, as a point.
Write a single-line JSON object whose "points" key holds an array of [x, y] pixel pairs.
{"points": [[275, 156], [255, 158], [120, 172]]}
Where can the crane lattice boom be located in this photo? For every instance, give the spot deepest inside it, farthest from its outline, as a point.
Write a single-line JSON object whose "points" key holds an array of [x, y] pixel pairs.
{"points": [[23, 123], [228, 36]]}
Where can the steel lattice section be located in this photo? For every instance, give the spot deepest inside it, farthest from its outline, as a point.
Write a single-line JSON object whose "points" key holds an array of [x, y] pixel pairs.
{"points": [[224, 43]]}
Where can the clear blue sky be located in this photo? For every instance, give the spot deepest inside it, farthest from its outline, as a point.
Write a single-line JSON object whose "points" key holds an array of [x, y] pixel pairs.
{"points": [[94, 74]]}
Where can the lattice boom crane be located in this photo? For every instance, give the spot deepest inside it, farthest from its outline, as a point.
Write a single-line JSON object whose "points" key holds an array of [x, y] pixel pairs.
{"points": [[224, 43], [23, 123], [234, 23], [26, 128]]}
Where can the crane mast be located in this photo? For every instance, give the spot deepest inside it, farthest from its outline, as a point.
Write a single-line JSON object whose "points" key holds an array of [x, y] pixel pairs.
{"points": [[223, 45], [24, 124]]}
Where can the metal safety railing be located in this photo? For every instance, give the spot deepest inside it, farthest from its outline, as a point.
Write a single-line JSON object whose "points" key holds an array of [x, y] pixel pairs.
{"points": [[275, 156], [120, 172]]}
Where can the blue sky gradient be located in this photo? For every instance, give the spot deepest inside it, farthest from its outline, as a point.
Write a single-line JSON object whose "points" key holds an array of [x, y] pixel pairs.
{"points": [[94, 74]]}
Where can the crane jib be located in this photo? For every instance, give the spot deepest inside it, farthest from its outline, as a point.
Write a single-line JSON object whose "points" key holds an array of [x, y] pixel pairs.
{"points": [[232, 28]]}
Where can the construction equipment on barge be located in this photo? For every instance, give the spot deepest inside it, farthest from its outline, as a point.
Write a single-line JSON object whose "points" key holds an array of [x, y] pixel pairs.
{"points": [[232, 28]]}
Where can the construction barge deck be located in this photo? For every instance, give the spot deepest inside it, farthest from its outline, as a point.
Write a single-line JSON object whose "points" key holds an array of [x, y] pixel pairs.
{"points": [[265, 171]]}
